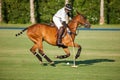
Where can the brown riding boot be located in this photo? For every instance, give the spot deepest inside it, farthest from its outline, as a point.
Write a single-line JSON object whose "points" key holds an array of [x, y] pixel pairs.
{"points": [[59, 37]]}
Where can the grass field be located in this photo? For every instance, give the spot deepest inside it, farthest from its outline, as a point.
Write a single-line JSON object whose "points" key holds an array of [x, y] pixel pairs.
{"points": [[100, 58]]}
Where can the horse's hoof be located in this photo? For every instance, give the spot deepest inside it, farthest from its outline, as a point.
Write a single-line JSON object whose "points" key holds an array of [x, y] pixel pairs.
{"points": [[41, 62], [56, 56], [77, 56], [52, 64]]}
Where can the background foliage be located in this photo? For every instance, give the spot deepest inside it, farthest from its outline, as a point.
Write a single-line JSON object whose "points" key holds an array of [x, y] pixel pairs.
{"points": [[18, 11]]}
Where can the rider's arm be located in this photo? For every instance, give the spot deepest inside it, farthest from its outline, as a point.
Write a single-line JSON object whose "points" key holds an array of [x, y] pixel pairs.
{"points": [[69, 16], [64, 24]]}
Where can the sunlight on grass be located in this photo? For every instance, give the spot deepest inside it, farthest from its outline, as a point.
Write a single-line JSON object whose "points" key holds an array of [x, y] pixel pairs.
{"points": [[99, 60]]}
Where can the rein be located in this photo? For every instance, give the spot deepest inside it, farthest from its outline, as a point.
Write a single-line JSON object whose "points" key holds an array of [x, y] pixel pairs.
{"points": [[77, 31], [73, 33]]}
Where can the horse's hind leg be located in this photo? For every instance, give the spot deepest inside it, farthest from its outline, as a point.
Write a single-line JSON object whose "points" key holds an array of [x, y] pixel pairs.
{"points": [[40, 47], [33, 50], [46, 57], [64, 56]]}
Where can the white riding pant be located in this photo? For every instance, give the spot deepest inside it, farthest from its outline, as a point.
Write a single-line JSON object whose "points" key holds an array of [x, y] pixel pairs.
{"points": [[57, 22]]}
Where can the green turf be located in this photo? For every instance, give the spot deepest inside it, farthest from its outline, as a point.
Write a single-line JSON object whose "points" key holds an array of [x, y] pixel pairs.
{"points": [[100, 58]]}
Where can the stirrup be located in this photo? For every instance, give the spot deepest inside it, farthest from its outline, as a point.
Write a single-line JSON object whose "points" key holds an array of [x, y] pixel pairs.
{"points": [[60, 44]]}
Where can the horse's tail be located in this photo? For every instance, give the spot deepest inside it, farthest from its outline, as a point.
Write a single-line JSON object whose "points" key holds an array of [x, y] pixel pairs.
{"points": [[21, 32]]}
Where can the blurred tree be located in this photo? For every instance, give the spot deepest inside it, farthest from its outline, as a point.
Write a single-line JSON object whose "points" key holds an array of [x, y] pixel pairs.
{"points": [[32, 16], [18, 11], [66, 1], [101, 12], [108, 10], [0, 10], [72, 2]]}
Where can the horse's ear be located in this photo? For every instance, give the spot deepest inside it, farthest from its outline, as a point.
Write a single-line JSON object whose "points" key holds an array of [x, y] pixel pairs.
{"points": [[77, 12]]}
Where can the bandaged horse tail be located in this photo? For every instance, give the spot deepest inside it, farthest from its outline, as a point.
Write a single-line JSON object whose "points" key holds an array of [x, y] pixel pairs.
{"points": [[21, 32]]}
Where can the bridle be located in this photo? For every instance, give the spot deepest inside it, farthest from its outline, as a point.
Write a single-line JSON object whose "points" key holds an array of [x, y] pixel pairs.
{"points": [[77, 31], [74, 28], [73, 33]]}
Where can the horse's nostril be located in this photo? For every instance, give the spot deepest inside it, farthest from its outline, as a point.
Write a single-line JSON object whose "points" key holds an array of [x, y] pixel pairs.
{"points": [[87, 25]]}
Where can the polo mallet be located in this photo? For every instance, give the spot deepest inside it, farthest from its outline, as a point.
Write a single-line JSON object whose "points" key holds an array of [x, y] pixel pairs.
{"points": [[74, 60]]}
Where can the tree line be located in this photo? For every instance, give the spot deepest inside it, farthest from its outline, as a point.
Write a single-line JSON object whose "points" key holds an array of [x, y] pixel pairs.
{"points": [[18, 11]]}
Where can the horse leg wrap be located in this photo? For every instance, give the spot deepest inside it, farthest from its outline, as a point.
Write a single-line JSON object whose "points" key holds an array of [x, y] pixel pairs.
{"points": [[63, 56], [78, 53], [38, 56], [47, 58]]}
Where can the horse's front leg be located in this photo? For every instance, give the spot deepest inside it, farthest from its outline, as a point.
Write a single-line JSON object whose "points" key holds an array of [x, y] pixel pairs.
{"points": [[64, 56], [79, 50], [71, 44]]}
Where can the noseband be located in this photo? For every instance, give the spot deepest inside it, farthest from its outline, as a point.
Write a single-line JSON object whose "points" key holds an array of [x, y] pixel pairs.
{"points": [[76, 33], [73, 33], [85, 24], [74, 28]]}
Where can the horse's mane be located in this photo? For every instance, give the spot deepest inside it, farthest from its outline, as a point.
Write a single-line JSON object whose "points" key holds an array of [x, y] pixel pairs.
{"points": [[81, 15]]}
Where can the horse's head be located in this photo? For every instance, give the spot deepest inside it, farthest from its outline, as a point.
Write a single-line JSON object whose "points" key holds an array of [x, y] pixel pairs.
{"points": [[81, 19]]}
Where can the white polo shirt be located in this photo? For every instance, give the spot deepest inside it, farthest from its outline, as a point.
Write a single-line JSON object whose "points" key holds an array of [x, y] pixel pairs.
{"points": [[59, 17]]}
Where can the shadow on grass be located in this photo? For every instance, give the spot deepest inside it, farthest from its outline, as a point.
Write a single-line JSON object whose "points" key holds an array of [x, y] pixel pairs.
{"points": [[86, 62]]}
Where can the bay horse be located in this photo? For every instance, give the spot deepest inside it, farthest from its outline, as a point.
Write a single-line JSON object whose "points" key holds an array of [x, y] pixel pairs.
{"points": [[38, 33]]}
